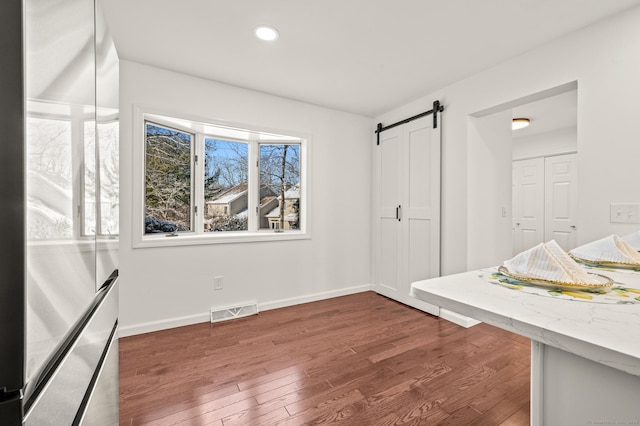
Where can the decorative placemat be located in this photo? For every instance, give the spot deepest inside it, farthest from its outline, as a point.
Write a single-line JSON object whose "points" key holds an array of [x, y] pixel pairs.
{"points": [[617, 294], [597, 267]]}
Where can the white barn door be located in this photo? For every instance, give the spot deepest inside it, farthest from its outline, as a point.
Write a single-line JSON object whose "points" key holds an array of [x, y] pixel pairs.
{"points": [[389, 166], [407, 197]]}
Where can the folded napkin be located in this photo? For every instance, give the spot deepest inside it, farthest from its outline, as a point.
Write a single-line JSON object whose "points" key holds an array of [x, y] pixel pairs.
{"points": [[549, 262], [633, 240], [609, 249]]}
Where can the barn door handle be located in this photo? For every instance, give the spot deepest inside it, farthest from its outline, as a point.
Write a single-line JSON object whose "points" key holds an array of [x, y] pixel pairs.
{"points": [[399, 213]]}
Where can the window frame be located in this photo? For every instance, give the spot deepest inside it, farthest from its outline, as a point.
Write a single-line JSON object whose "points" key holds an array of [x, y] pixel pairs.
{"points": [[76, 119], [203, 136], [193, 179], [107, 118], [197, 126]]}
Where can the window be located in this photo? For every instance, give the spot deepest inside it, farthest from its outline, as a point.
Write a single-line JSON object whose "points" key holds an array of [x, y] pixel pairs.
{"points": [[109, 188], [49, 151], [89, 181], [61, 152], [167, 180], [280, 178], [226, 184], [208, 183]]}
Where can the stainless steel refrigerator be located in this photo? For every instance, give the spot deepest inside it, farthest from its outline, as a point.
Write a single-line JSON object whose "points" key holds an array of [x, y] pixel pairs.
{"points": [[58, 214]]}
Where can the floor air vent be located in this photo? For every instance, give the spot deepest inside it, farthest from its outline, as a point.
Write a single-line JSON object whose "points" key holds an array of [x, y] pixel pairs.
{"points": [[239, 311]]}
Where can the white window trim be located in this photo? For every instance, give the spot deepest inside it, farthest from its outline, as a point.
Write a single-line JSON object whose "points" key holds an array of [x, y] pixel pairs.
{"points": [[77, 117], [142, 240]]}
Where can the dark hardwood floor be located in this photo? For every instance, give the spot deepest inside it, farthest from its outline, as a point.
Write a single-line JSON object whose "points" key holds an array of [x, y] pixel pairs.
{"points": [[356, 360]]}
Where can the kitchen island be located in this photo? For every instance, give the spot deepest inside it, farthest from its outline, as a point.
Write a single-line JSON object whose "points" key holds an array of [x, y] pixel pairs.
{"points": [[585, 356]]}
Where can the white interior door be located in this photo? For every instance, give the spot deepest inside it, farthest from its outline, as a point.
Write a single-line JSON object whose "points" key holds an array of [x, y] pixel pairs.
{"points": [[388, 165], [407, 196], [528, 203], [561, 202], [420, 220]]}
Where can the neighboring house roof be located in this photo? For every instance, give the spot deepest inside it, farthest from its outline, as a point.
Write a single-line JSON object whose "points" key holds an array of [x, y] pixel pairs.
{"points": [[266, 200], [230, 195], [293, 192], [242, 214], [275, 213]]}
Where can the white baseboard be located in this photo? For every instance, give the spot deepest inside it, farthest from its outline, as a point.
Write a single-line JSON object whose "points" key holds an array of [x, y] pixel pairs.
{"points": [[314, 297], [148, 327], [457, 318]]}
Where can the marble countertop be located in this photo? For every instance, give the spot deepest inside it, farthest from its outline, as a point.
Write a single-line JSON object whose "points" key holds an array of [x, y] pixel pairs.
{"points": [[604, 333]]}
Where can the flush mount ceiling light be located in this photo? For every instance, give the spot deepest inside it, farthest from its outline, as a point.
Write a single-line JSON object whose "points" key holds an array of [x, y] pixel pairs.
{"points": [[519, 123], [266, 33]]}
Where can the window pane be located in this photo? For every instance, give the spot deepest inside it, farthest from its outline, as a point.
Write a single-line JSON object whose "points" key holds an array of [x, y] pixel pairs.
{"points": [[108, 146], [226, 185], [49, 182], [279, 186], [168, 185], [89, 183]]}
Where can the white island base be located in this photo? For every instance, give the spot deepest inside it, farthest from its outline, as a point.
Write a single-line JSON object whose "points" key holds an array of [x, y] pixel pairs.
{"points": [[585, 357]]}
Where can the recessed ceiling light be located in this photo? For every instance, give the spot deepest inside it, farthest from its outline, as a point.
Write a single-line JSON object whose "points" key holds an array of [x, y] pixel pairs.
{"points": [[266, 33], [519, 123]]}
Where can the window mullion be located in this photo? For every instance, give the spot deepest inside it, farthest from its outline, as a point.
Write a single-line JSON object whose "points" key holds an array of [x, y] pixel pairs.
{"points": [[253, 190], [198, 174]]}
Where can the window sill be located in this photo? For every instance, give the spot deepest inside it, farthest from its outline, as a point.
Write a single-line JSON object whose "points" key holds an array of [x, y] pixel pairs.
{"points": [[188, 239]]}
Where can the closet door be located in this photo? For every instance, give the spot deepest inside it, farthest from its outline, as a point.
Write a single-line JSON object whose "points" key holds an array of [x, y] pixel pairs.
{"points": [[407, 210], [528, 203], [561, 200]]}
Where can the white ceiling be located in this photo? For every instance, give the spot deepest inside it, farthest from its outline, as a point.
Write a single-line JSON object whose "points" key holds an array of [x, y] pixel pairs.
{"points": [[548, 114], [360, 56]]}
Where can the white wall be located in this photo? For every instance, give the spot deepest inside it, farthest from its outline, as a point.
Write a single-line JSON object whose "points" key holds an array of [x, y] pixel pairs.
{"points": [[604, 60], [560, 141], [164, 287], [490, 145]]}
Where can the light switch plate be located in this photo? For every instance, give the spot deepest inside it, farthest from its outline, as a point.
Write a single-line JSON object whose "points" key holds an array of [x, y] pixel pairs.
{"points": [[217, 283], [625, 213]]}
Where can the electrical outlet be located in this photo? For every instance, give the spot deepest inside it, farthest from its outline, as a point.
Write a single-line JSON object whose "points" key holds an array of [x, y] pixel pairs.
{"points": [[217, 283], [625, 213]]}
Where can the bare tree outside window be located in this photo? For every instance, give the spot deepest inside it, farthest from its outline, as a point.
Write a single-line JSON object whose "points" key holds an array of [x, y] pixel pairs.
{"points": [[280, 175], [50, 198], [168, 180], [226, 185], [89, 181], [108, 148]]}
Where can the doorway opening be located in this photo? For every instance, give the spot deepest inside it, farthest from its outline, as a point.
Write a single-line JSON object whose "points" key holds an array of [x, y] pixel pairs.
{"points": [[544, 173], [493, 149]]}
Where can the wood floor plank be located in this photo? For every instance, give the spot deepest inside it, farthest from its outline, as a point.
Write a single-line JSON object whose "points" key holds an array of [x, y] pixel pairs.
{"points": [[518, 418], [298, 391], [505, 409], [360, 359], [260, 415]]}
